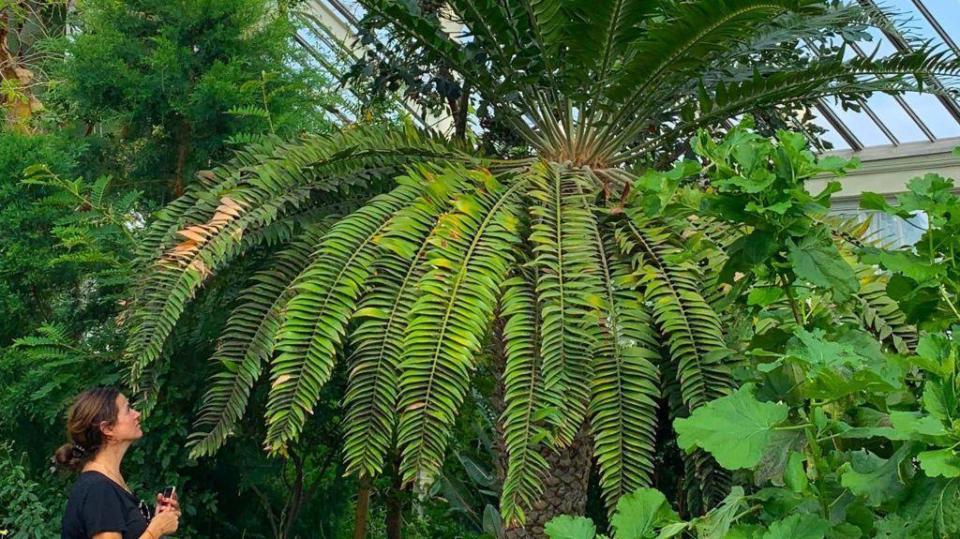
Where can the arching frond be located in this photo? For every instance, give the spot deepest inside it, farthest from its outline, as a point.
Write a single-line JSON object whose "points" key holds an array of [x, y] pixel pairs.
{"points": [[523, 430], [247, 343], [626, 383], [316, 317], [694, 338], [372, 388], [182, 270], [250, 193], [569, 289], [468, 260]]}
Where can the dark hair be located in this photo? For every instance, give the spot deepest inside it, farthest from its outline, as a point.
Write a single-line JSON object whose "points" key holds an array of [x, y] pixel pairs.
{"points": [[88, 411]]}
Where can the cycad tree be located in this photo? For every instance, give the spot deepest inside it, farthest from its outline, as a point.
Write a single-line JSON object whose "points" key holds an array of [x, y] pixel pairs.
{"points": [[600, 319]]}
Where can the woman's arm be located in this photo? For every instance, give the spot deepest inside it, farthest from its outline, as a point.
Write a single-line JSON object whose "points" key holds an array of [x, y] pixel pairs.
{"points": [[148, 534], [156, 529]]}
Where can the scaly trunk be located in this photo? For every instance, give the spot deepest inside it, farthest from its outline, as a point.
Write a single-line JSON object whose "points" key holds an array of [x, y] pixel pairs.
{"points": [[565, 486]]}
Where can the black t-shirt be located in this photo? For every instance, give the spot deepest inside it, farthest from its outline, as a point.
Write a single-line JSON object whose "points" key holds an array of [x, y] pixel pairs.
{"points": [[97, 504]]}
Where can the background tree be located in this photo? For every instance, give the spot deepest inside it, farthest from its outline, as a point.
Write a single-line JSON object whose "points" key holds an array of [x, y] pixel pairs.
{"points": [[69, 234], [164, 87], [600, 309]]}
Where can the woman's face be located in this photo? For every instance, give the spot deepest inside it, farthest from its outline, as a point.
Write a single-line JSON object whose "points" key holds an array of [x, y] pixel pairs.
{"points": [[127, 426]]}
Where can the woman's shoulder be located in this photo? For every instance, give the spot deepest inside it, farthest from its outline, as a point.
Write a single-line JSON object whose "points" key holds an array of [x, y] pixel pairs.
{"points": [[91, 482]]}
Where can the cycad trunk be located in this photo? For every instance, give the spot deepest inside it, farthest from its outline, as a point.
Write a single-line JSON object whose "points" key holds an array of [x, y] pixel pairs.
{"points": [[565, 487]]}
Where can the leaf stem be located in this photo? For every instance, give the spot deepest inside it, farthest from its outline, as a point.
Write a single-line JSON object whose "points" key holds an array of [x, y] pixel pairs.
{"points": [[946, 298], [794, 427]]}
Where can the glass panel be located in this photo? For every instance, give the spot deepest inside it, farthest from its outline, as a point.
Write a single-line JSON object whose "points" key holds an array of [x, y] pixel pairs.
{"points": [[862, 126], [879, 40], [889, 230], [895, 118], [947, 14], [911, 22], [831, 135], [933, 114]]}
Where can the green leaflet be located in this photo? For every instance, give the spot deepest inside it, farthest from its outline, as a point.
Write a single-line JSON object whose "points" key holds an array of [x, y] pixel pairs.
{"points": [[691, 327], [735, 429]]}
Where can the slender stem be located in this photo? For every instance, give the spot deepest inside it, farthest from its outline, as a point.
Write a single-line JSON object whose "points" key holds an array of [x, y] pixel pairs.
{"points": [[946, 298], [794, 427], [787, 287]]}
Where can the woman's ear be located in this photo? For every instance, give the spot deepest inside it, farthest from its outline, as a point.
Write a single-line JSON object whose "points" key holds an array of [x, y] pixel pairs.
{"points": [[107, 430]]}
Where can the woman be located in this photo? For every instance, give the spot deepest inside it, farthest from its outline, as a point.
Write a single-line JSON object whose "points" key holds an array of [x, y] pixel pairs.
{"points": [[101, 425]]}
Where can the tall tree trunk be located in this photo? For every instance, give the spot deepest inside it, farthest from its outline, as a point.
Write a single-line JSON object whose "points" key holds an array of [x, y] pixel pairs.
{"points": [[394, 517], [183, 150], [565, 486], [363, 509]]}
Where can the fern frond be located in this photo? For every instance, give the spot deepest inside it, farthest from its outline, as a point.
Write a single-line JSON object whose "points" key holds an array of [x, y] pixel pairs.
{"points": [[523, 432], [626, 383], [569, 290], [694, 337], [176, 277], [372, 387]]}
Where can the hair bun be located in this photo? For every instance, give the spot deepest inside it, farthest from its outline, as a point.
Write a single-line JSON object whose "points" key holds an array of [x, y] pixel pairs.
{"points": [[68, 457]]}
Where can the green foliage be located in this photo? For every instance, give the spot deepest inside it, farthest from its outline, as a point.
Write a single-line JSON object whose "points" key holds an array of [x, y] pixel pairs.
{"points": [[925, 276], [171, 84], [837, 430], [25, 508], [735, 429], [627, 334], [29, 281]]}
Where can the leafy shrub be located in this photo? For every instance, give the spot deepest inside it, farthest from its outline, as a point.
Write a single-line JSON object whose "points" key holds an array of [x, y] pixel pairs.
{"points": [[838, 429]]}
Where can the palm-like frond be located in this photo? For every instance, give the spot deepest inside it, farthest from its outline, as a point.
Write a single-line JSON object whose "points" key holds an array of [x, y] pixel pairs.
{"points": [[604, 320], [626, 383], [372, 389], [469, 258], [316, 318], [523, 427], [694, 337], [247, 344], [569, 289]]}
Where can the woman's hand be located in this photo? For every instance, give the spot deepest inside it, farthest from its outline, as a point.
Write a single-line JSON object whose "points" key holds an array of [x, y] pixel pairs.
{"points": [[167, 504], [165, 522]]}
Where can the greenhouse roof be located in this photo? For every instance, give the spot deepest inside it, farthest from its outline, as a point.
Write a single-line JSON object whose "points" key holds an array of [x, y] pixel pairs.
{"points": [[882, 121]]}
